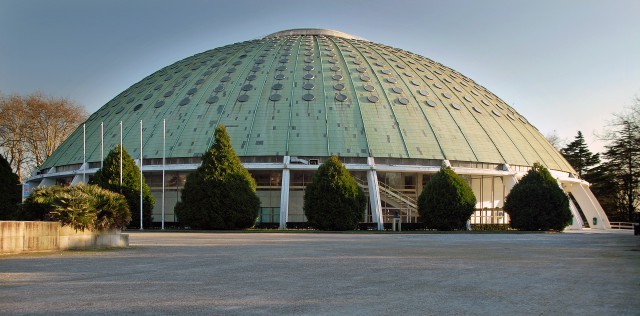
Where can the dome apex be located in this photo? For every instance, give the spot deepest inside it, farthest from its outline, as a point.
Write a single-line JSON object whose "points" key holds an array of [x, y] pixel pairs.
{"points": [[312, 31]]}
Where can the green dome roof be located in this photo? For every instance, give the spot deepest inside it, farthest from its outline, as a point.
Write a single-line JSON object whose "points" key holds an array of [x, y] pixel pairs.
{"points": [[313, 93]]}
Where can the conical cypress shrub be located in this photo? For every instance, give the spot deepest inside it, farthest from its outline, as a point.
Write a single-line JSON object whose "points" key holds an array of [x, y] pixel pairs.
{"points": [[108, 177], [333, 200], [537, 202], [446, 202], [220, 194], [9, 191]]}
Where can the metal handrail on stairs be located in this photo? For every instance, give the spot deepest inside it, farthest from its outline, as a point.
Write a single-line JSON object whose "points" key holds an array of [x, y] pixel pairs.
{"points": [[411, 202], [407, 204]]}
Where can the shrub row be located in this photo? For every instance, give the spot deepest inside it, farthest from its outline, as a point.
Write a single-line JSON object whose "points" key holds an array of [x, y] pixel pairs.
{"points": [[490, 227]]}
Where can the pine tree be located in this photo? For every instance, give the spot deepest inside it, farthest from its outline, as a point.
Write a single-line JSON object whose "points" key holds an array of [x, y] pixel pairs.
{"points": [[446, 202], [333, 200], [536, 202], [623, 160], [606, 186], [9, 190], [579, 156], [220, 194], [108, 177]]}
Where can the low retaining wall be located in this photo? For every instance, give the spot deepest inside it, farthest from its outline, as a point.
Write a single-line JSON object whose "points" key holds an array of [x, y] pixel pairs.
{"points": [[18, 237]]}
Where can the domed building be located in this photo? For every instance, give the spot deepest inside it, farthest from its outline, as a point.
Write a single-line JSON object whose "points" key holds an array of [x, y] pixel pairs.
{"points": [[291, 99]]}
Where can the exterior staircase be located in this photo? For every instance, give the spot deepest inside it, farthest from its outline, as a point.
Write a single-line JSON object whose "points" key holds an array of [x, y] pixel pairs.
{"points": [[406, 206]]}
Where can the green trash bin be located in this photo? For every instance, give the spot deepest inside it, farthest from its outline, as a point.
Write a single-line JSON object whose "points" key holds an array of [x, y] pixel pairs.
{"points": [[595, 221]]}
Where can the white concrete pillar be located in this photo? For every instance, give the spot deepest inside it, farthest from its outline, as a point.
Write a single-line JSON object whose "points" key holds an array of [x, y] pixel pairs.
{"points": [[284, 194], [589, 205], [509, 182], [374, 194], [603, 216], [81, 176], [45, 183]]}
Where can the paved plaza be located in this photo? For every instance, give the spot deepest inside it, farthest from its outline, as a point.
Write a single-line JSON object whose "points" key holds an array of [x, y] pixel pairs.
{"points": [[338, 274]]}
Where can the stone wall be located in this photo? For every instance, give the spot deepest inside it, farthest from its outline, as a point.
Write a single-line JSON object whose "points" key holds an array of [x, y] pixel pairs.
{"points": [[18, 237]]}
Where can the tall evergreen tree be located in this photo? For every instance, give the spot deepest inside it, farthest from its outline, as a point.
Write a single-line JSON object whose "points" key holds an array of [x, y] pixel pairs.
{"points": [[446, 202], [623, 161], [579, 156], [9, 190], [108, 177], [220, 194], [606, 186], [333, 200], [536, 202]]}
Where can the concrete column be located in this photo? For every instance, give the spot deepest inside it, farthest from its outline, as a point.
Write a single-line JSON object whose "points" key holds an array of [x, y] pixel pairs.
{"points": [[603, 216], [589, 205], [374, 194], [284, 194], [78, 178], [44, 183], [509, 182]]}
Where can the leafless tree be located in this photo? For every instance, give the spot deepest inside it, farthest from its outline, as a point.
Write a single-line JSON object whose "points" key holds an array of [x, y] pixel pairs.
{"points": [[33, 126], [13, 122], [555, 139], [622, 163]]}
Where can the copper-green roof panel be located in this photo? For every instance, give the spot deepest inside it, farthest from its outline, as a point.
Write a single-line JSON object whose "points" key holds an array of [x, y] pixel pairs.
{"points": [[313, 92]]}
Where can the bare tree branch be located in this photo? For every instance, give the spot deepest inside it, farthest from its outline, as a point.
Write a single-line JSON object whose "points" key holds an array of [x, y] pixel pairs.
{"points": [[32, 127]]}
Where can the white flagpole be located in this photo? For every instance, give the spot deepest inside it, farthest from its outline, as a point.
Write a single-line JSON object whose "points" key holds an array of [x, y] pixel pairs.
{"points": [[84, 153], [164, 128], [101, 144], [121, 149], [141, 175]]}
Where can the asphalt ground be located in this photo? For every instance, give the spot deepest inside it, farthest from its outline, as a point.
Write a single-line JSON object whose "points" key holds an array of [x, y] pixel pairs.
{"points": [[331, 273]]}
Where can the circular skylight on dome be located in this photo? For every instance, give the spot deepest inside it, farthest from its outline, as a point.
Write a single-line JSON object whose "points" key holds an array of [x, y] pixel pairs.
{"points": [[212, 99], [341, 97]]}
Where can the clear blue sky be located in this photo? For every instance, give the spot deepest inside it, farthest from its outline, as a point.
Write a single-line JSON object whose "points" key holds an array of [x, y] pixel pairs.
{"points": [[566, 65]]}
